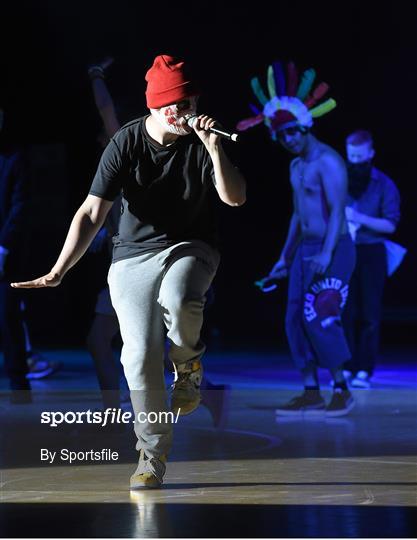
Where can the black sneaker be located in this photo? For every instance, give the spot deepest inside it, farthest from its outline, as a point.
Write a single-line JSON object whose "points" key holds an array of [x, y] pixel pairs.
{"points": [[307, 403], [341, 403]]}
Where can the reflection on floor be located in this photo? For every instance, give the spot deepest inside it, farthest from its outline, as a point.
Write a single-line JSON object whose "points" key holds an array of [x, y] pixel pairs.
{"points": [[261, 476]]}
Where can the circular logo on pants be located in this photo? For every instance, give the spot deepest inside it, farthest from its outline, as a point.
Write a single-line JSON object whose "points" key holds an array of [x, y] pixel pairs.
{"points": [[325, 301]]}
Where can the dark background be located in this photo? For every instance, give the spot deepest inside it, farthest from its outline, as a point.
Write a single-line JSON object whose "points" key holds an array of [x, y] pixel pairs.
{"points": [[366, 51]]}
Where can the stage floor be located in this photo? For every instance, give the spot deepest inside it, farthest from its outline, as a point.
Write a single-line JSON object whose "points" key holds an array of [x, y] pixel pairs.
{"points": [[261, 476]]}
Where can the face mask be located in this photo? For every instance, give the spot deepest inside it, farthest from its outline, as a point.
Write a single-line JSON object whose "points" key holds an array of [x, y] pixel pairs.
{"points": [[359, 176], [171, 116]]}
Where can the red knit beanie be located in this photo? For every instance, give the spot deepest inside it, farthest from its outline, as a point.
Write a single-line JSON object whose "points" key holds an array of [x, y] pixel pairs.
{"points": [[168, 82]]}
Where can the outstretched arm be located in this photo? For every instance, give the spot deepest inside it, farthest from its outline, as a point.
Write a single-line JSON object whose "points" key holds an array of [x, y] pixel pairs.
{"points": [[84, 226]]}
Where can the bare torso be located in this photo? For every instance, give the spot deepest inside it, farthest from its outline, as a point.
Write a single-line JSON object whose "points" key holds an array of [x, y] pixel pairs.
{"points": [[310, 202]]}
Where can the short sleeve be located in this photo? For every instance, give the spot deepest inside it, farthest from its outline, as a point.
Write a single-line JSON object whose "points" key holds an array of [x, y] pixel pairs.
{"points": [[107, 182], [390, 205]]}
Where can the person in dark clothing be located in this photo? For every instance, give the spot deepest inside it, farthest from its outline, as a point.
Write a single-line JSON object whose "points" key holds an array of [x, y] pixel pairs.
{"points": [[165, 255], [373, 213], [14, 225], [105, 325]]}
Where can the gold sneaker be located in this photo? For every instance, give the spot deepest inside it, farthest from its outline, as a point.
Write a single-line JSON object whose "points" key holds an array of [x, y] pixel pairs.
{"points": [[149, 472], [186, 395]]}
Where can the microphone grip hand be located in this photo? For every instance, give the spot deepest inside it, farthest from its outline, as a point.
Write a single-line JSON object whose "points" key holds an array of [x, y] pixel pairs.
{"points": [[204, 122]]}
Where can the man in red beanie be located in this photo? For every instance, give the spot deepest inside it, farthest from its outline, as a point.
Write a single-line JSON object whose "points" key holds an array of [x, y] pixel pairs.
{"points": [[165, 254]]}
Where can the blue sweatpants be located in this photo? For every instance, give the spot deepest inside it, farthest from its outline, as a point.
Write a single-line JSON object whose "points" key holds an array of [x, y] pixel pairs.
{"points": [[315, 303]]}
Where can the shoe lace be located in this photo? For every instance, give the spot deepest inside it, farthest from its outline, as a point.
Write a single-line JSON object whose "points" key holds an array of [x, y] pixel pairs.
{"points": [[184, 380], [187, 375], [155, 466]]}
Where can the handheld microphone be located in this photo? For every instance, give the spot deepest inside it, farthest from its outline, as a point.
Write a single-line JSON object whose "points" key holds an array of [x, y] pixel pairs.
{"points": [[190, 119]]}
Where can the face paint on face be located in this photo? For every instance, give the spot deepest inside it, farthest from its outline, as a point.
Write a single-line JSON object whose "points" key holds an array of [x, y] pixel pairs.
{"points": [[171, 117]]}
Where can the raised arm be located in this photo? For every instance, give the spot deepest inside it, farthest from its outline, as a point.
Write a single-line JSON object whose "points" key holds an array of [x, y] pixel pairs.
{"points": [[102, 97], [229, 182], [84, 226]]}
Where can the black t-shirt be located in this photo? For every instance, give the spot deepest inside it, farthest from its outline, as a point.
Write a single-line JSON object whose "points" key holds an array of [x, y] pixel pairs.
{"points": [[167, 191]]}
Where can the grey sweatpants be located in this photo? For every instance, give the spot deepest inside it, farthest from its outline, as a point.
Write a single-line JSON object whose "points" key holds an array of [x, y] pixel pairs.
{"points": [[150, 293]]}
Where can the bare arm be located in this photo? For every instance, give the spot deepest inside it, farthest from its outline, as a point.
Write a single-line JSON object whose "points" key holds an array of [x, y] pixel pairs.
{"points": [[334, 179], [103, 99], [230, 184], [378, 224], [381, 225], [287, 253], [84, 226], [389, 211], [293, 236]]}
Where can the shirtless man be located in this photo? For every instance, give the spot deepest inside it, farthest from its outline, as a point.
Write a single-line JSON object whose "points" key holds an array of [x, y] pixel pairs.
{"points": [[318, 255]]}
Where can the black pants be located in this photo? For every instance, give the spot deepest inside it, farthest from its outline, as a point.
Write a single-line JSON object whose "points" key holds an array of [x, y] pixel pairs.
{"points": [[13, 336], [362, 315]]}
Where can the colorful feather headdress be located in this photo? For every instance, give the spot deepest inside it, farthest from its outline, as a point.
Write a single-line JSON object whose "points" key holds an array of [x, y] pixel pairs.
{"points": [[290, 101]]}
